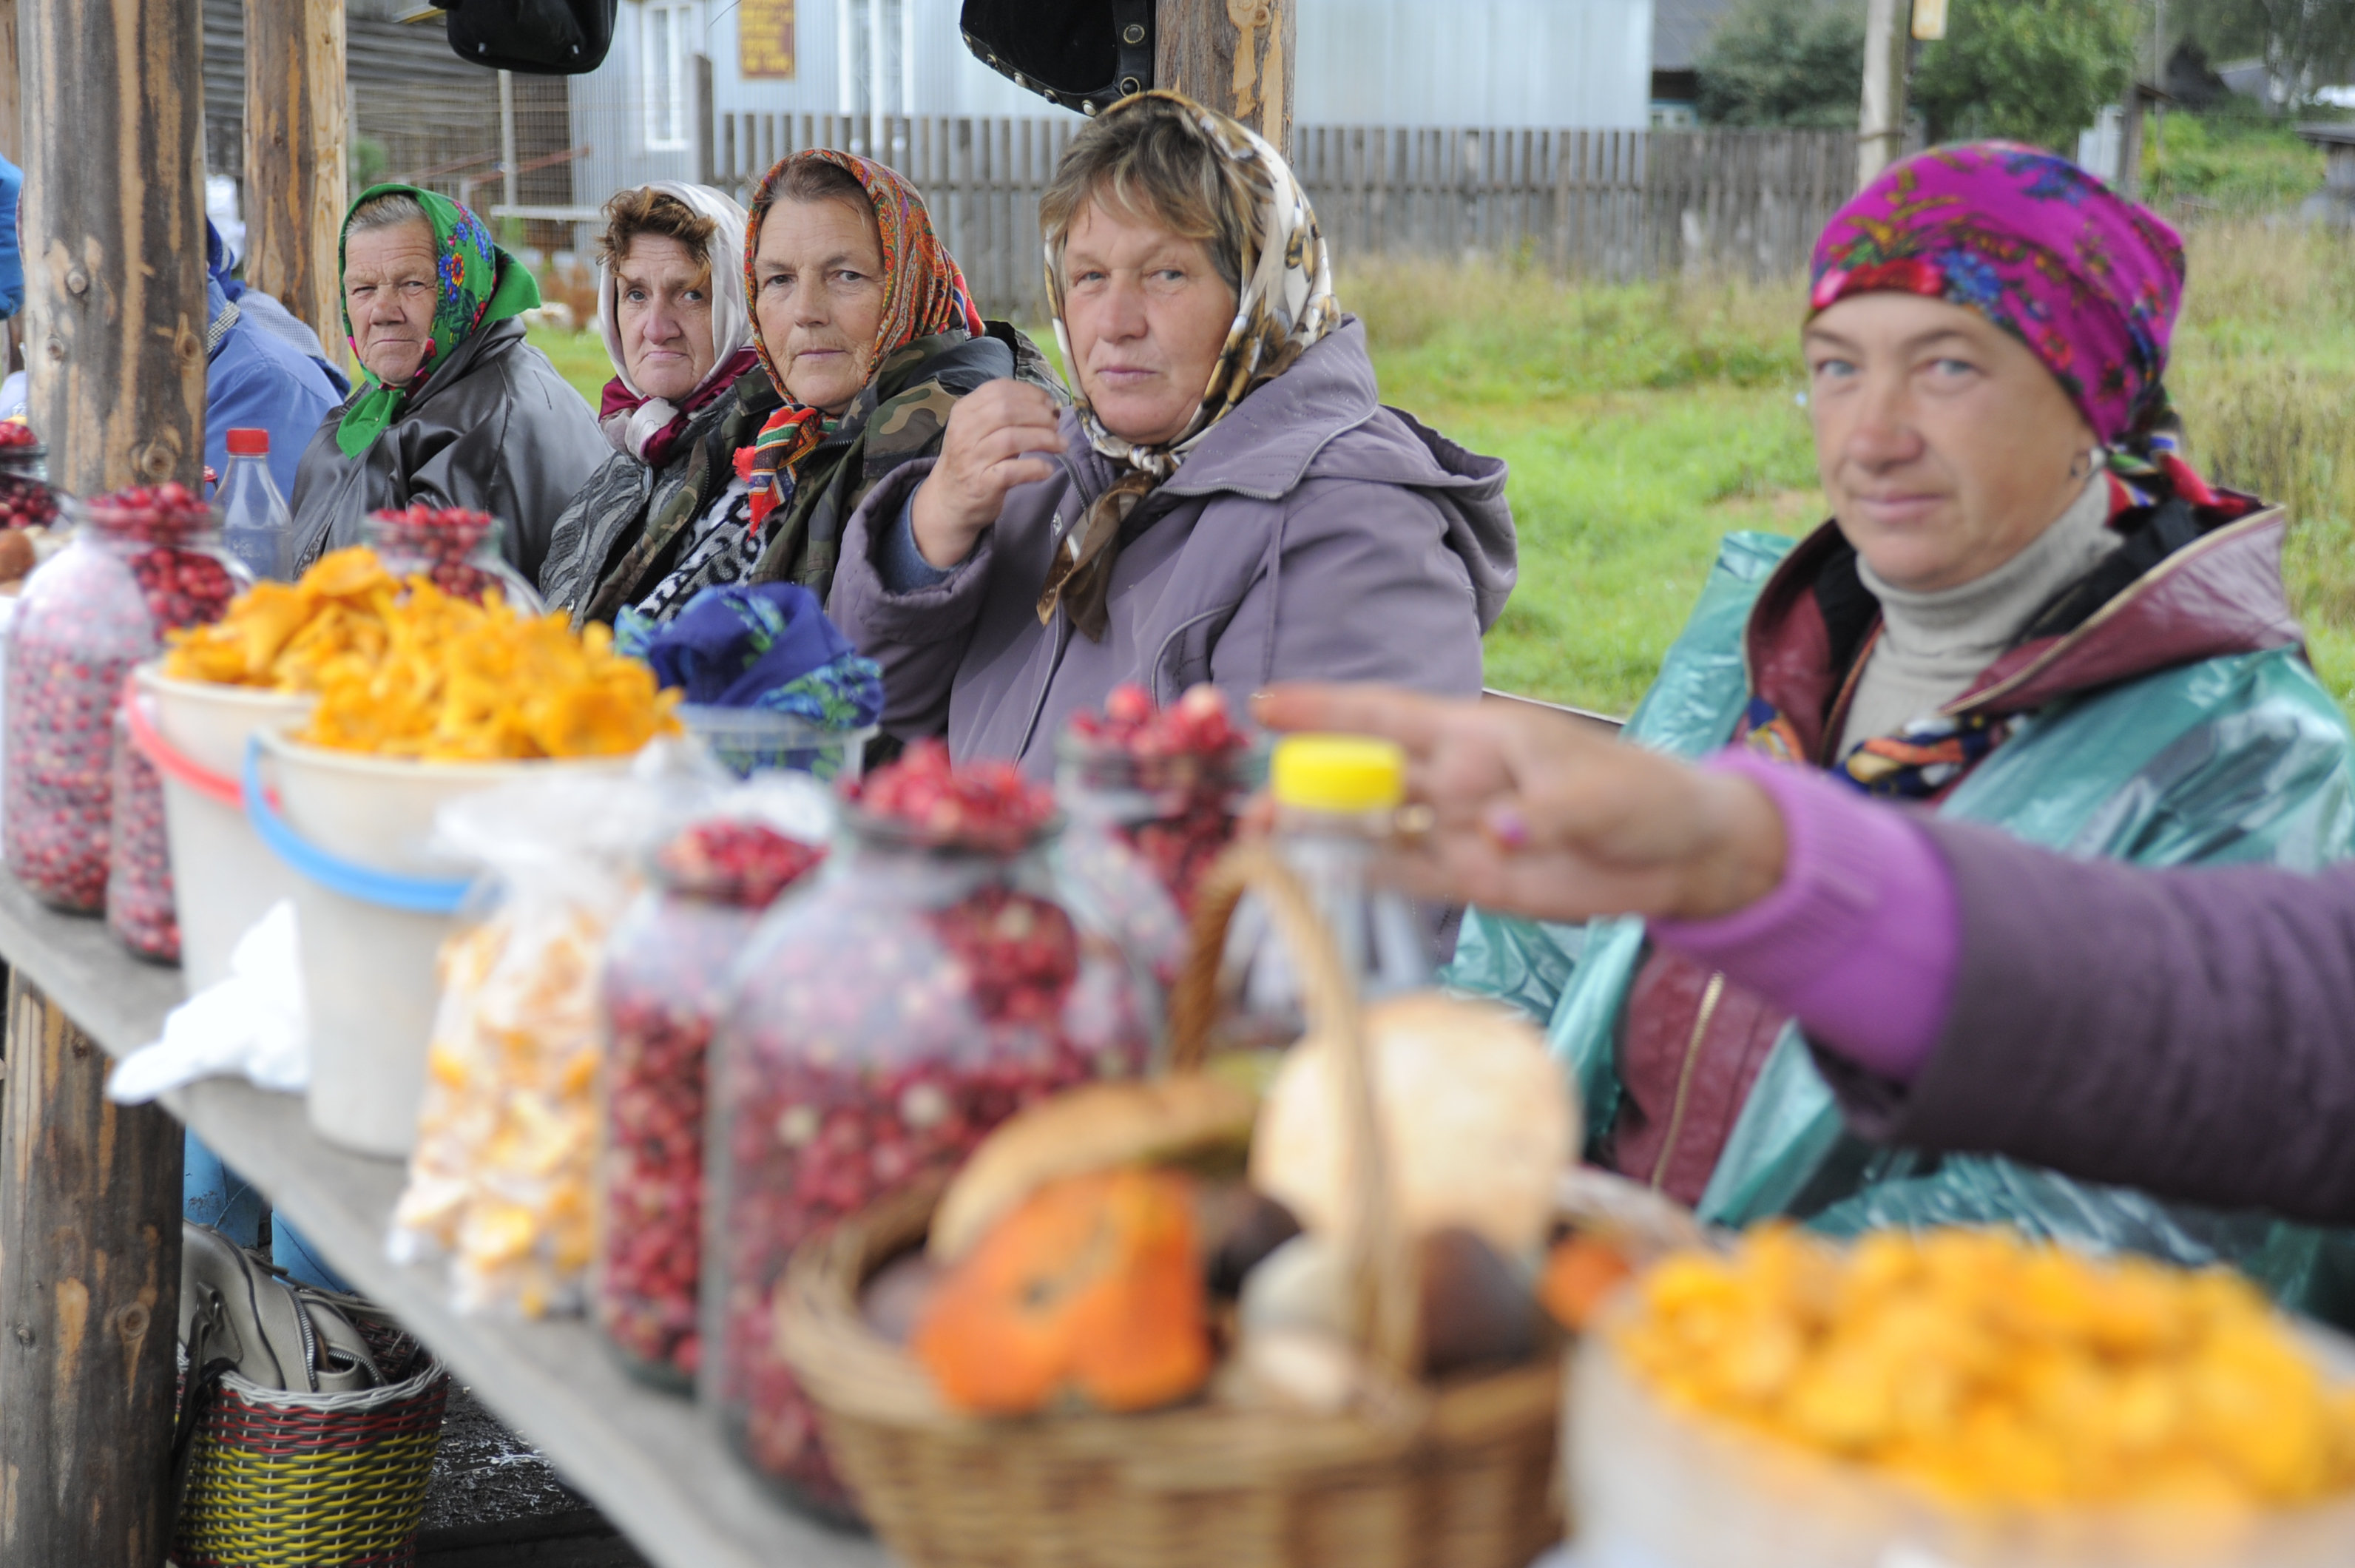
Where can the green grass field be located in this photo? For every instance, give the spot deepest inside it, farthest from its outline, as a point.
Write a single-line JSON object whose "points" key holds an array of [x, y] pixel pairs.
{"points": [[1642, 423]]}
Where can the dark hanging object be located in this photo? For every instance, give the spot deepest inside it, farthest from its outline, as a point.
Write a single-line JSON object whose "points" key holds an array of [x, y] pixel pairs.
{"points": [[537, 37], [1082, 54]]}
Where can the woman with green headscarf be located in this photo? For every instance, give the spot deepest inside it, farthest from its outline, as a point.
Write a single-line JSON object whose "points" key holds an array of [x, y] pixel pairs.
{"points": [[454, 408]]}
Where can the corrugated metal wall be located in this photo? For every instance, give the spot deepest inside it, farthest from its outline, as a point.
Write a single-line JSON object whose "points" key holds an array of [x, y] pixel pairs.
{"points": [[1491, 63]]}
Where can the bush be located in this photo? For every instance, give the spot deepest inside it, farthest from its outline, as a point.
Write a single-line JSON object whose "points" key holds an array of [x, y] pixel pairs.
{"points": [[2035, 70], [1785, 63]]}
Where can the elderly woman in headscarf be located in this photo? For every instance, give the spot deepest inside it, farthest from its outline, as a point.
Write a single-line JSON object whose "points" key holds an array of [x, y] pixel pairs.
{"points": [[454, 408], [2026, 612], [1227, 502], [866, 336], [687, 391]]}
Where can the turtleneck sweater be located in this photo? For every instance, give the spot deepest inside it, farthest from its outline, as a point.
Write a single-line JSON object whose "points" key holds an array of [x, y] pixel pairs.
{"points": [[1933, 646]]}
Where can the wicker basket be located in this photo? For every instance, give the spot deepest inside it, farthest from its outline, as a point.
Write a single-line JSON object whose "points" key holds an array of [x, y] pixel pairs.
{"points": [[1457, 1476], [278, 1479]]}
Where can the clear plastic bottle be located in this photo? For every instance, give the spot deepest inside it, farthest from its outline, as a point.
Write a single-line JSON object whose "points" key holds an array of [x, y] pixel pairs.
{"points": [[256, 526], [1337, 800]]}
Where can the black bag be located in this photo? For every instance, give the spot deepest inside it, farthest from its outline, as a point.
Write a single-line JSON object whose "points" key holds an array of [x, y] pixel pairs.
{"points": [[1082, 54], [537, 37]]}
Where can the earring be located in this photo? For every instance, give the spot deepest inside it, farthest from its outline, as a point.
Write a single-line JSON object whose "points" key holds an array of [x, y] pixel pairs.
{"points": [[2081, 465]]}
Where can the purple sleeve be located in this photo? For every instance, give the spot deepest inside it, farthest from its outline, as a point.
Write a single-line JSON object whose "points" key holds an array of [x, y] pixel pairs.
{"points": [[1862, 938]]}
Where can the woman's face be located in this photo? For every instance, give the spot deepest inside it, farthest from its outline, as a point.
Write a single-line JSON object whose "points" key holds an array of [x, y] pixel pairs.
{"points": [[1946, 447], [817, 278], [389, 286], [1148, 313], [662, 303]]}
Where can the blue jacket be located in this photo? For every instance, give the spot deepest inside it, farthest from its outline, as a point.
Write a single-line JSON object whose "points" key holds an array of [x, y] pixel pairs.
{"points": [[12, 258], [257, 381]]}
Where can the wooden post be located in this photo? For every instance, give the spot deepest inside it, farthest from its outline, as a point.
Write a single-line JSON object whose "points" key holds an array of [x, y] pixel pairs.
{"points": [[113, 239], [12, 137], [1881, 118], [89, 1291], [295, 128], [1233, 55]]}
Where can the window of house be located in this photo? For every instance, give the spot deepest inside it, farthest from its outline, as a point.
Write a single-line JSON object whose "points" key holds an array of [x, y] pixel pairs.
{"points": [[668, 45]]}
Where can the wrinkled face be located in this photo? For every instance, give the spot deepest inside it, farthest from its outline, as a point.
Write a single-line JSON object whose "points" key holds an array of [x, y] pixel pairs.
{"points": [[1148, 314], [662, 303], [818, 281], [1946, 447], [389, 287]]}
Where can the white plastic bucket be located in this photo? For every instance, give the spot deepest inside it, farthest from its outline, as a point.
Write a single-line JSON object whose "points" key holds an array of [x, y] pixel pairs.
{"points": [[367, 970], [223, 880]]}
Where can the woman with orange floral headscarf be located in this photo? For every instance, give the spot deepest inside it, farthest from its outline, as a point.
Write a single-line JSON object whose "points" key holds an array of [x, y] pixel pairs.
{"points": [[868, 335]]}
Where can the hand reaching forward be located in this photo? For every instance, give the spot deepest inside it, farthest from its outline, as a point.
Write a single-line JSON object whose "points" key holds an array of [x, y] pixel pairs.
{"points": [[994, 435], [1535, 814]]}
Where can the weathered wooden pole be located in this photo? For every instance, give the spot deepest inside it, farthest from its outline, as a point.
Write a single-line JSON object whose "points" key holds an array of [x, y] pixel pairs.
{"points": [[112, 232], [89, 1291], [295, 126], [1881, 116], [1233, 55], [12, 136]]}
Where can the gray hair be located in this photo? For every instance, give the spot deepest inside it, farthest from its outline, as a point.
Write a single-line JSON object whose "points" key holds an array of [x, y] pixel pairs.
{"points": [[390, 210]]}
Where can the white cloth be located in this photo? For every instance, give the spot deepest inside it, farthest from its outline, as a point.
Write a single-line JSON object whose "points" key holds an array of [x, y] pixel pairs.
{"points": [[1933, 646], [731, 322], [253, 1021]]}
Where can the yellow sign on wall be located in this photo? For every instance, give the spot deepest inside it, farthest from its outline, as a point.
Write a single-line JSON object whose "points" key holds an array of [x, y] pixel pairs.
{"points": [[764, 40]]}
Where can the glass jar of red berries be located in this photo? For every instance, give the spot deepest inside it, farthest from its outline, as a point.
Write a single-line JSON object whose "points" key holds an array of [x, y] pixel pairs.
{"points": [[457, 550], [141, 562], [26, 499], [667, 965], [1151, 795], [932, 979]]}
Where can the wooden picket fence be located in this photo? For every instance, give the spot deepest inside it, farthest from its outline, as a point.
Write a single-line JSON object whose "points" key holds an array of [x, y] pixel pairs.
{"points": [[1619, 205]]}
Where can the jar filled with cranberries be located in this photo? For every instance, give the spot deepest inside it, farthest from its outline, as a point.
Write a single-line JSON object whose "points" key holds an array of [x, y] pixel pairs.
{"points": [[932, 980], [141, 562], [667, 963], [26, 499], [457, 550], [1151, 795]]}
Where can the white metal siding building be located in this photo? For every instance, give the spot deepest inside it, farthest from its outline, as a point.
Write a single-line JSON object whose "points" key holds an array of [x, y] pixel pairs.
{"points": [[1535, 63]]}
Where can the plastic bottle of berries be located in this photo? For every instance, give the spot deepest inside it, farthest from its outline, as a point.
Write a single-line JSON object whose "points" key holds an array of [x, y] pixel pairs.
{"points": [[141, 562], [458, 550], [665, 973], [930, 981], [1151, 795], [26, 499]]}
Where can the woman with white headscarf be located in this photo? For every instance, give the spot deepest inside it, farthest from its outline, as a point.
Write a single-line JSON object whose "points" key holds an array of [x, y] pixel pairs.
{"points": [[687, 390]]}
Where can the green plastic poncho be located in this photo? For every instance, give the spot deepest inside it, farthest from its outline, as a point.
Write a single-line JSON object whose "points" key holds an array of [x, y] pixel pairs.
{"points": [[2237, 759]]}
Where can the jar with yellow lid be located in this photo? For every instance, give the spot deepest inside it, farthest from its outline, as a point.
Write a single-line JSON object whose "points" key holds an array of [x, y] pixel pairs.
{"points": [[1337, 801]]}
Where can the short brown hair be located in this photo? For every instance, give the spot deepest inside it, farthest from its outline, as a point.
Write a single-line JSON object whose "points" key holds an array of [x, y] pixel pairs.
{"points": [[1147, 158], [642, 210]]}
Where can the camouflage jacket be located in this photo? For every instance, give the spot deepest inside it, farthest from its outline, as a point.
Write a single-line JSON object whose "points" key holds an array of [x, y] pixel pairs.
{"points": [[623, 530], [901, 415]]}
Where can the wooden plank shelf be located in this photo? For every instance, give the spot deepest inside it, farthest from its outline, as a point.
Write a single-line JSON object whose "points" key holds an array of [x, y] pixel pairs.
{"points": [[650, 1461]]}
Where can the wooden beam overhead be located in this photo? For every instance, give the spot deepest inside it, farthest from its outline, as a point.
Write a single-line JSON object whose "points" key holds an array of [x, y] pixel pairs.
{"points": [[295, 126]]}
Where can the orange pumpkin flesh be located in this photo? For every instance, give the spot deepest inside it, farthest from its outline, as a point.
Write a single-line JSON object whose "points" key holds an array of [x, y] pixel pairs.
{"points": [[1091, 1284], [1578, 1273]]}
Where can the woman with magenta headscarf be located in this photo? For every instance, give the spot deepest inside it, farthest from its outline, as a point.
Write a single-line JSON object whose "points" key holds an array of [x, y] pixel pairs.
{"points": [[2028, 611]]}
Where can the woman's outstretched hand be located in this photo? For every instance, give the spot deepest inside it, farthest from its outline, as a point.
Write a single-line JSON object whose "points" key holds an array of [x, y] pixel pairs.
{"points": [[1532, 813], [996, 437]]}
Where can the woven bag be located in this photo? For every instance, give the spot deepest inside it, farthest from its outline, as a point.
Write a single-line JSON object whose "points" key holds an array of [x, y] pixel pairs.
{"points": [[279, 1480], [1459, 1475]]}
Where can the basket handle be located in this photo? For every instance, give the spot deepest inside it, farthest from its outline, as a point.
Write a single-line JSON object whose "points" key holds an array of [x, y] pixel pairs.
{"points": [[1384, 1301]]}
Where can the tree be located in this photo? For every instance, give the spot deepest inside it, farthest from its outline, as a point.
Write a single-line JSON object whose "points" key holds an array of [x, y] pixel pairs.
{"points": [[2308, 44], [2035, 70], [1785, 62]]}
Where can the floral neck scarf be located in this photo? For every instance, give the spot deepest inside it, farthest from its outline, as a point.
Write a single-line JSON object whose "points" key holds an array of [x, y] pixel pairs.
{"points": [[1286, 304], [480, 283], [924, 293]]}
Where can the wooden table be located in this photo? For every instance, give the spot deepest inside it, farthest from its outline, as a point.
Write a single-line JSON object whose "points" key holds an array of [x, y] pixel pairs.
{"points": [[658, 1470]]}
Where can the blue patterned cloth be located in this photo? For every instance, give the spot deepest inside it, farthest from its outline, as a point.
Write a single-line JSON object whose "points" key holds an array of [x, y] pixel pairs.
{"points": [[767, 647]]}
